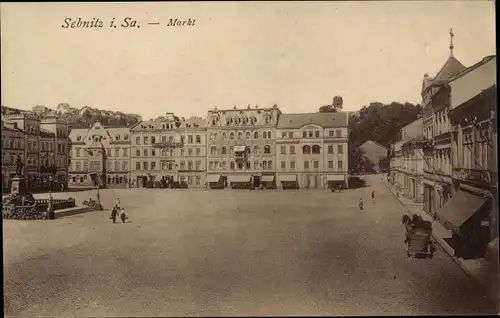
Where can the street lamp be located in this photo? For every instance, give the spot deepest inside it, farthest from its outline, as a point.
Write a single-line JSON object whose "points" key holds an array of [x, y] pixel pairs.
{"points": [[50, 187]]}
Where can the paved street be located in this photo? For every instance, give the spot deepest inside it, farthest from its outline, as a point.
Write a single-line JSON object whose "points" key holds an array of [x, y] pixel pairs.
{"points": [[201, 252]]}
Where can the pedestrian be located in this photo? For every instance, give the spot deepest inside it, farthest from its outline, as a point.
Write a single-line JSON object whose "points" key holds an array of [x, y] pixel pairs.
{"points": [[373, 196], [123, 216], [117, 205], [114, 214], [62, 187], [361, 203]]}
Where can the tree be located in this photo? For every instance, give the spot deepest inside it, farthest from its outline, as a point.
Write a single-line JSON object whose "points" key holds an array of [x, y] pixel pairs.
{"points": [[336, 106]]}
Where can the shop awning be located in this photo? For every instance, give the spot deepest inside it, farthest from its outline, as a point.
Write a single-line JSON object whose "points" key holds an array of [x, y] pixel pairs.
{"points": [[267, 178], [288, 178], [240, 178], [212, 178], [335, 177], [240, 149], [461, 208]]}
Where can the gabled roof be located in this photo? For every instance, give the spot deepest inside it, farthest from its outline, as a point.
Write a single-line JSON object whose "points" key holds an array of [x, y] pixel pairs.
{"points": [[325, 120], [370, 142], [449, 69], [473, 67]]}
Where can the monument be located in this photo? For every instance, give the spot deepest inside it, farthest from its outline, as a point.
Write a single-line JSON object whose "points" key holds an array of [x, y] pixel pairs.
{"points": [[18, 186]]}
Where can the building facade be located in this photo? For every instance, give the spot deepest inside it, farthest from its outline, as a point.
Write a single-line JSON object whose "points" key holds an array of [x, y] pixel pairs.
{"points": [[100, 156], [472, 214], [311, 150], [241, 145], [59, 146], [436, 97], [13, 145], [168, 150]]}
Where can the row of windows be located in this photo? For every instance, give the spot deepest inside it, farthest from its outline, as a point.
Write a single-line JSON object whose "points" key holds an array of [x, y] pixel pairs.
{"points": [[312, 134], [145, 139], [240, 135], [242, 121], [223, 150], [266, 165], [12, 143], [117, 137], [166, 152], [314, 165], [315, 149], [183, 165]]}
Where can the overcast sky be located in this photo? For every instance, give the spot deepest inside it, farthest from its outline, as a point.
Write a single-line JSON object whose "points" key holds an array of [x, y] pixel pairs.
{"points": [[296, 55]]}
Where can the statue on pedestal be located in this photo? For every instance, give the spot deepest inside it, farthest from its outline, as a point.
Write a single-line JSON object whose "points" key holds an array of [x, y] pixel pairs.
{"points": [[19, 166]]}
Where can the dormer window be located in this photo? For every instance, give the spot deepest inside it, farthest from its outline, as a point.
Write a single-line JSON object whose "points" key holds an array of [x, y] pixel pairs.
{"points": [[125, 136], [78, 138], [117, 137]]}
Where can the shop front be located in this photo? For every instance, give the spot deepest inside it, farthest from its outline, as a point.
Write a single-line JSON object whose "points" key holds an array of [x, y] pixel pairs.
{"points": [[335, 181], [288, 181]]}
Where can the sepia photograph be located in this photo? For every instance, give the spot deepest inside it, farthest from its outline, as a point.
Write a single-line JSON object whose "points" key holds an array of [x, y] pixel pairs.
{"points": [[249, 158]]}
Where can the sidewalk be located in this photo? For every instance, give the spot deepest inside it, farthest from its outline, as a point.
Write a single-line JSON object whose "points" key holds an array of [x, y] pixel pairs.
{"points": [[479, 270]]}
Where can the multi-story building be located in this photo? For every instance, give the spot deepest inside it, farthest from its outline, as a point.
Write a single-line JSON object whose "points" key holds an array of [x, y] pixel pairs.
{"points": [[311, 150], [59, 146], [472, 213], [436, 96], [100, 156], [412, 157], [13, 141], [47, 159], [30, 124], [241, 145], [168, 149]]}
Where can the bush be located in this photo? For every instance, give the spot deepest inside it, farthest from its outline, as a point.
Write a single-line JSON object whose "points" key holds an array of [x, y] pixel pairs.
{"points": [[22, 213]]}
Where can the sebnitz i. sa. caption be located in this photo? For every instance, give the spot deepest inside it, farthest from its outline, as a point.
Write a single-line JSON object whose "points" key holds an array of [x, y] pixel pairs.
{"points": [[128, 22]]}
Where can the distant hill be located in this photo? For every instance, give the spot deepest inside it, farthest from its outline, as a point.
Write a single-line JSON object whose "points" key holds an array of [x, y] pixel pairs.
{"points": [[87, 116]]}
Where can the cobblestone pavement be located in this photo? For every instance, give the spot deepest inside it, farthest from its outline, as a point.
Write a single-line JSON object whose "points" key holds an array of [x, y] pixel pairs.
{"points": [[200, 253]]}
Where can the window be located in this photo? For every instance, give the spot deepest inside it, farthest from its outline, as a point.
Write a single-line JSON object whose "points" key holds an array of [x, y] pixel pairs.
{"points": [[231, 135], [338, 133], [190, 151], [264, 135], [232, 165], [182, 139], [269, 164], [283, 134], [306, 150], [290, 134], [125, 152], [330, 133], [137, 152], [190, 165], [163, 139], [330, 148], [125, 136], [256, 165], [340, 165], [182, 152], [247, 135], [153, 152], [306, 164], [213, 150], [198, 180], [224, 135], [78, 152], [316, 149], [117, 166], [330, 164], [283, 165], [255, 135], [145, 152], [117, 152], [292, 150], [340, 149], [240, 135], [304, 134], [283, 150], [153, 140], [231, 149], [256, 150], [190, 139], [264, 164], [198, 139], [310, 134], [198, 163], [190, 180], [316, 134], [248, 164], [316, 164], [124, 165], [146, 140], [267, 149], [145, 165], [183, 165], [268, 135], [198, 151], [292, 165], [223, 150]]}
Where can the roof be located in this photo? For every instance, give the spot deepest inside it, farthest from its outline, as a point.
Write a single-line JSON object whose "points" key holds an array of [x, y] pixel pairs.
{"points": [[449, 69], [374, 143], [325, 120], [473, 67], [46, 133]]}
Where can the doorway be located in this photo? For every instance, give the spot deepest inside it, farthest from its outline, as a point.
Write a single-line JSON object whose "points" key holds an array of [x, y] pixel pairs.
{"points": [[256, 181]]}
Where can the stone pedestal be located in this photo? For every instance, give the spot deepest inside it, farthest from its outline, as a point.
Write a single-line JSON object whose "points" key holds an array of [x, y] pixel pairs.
{"points": [[18, 185]]}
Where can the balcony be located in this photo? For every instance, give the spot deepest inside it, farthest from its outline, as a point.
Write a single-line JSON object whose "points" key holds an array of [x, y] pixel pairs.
{"points": [[168, 145], [473, 175]]}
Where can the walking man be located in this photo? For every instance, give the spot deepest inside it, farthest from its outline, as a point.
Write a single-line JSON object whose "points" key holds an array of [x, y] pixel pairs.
{"points": [[373, 196]]}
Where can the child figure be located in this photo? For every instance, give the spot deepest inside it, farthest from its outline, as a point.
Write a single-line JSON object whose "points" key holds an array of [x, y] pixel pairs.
{"points": [[123, 216]]}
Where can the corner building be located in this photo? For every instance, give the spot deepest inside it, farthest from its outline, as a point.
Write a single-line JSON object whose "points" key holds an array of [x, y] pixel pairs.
{"points": [[241, 146], [311, 150]]}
